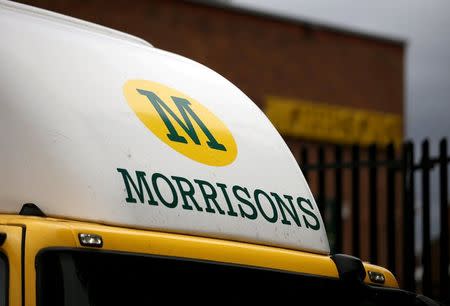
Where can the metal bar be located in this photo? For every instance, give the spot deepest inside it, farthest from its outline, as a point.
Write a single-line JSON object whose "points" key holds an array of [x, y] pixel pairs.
{"points": [[373, 251], [443, 241], [408, 218], [390, 193], [304, 161], [321, 181], [426, 244], [350, 165], [338, 200], [355, 201], [398, 164]]}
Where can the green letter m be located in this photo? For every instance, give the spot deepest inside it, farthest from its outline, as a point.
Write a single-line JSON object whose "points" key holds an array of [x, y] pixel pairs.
{"points": [[183, 106], [128, 181]]}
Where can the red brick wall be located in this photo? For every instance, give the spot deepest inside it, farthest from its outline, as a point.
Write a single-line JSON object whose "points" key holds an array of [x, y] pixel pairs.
{"points": [[262, 56]]}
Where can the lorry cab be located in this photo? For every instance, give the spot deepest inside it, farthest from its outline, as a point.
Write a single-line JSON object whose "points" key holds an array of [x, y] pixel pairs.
{"points": [[132, 175]]}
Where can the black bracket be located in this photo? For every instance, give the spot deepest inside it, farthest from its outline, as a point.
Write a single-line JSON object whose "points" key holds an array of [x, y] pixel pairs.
{"points": [[350, 269]]}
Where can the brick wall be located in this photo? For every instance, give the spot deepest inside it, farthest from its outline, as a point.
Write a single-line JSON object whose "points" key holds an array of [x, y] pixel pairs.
{"points": [[261, 55]]}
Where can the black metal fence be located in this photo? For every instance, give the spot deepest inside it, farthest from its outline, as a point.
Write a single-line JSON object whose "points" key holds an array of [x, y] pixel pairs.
{"points": [[376, 203]]}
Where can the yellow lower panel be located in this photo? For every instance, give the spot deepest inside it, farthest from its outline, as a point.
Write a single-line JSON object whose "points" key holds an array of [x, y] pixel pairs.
{"points": [[47, 232]]}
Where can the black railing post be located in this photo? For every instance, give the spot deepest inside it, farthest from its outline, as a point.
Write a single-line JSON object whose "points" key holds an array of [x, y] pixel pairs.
{"points": [[408, 218], [426, 244], [338, 199], [393, 163], [304, 162], [355, 200], [373, 253], [321, 180], [390, 190], [443, 241]]}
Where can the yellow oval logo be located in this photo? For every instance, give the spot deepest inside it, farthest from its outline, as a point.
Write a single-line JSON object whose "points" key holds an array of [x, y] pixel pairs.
{"points": [[181, 122]]}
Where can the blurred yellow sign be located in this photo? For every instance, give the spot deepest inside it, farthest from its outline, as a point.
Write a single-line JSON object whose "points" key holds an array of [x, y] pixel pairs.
{"points": [[331, 123]]}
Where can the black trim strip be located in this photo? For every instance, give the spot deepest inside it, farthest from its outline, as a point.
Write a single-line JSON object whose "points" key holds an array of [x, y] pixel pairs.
{"points": [[221, 263], [24, 233], [5, 259]]}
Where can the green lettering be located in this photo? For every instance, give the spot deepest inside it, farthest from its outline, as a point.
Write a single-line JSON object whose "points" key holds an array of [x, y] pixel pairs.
{"points": [[283, 207], [256, 195], [245, 214], [185, 194], [209, 197], [137, 188], [316, 225], [230, 211], [183, 106], [174, 202]]}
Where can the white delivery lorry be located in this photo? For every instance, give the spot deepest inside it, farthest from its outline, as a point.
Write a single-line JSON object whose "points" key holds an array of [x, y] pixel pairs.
{"points": [[130, 175]]}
